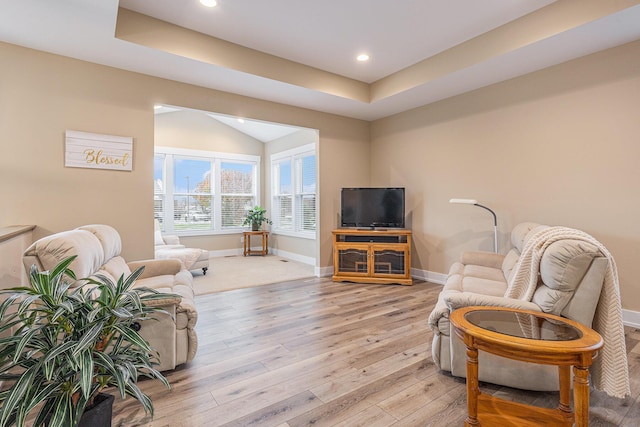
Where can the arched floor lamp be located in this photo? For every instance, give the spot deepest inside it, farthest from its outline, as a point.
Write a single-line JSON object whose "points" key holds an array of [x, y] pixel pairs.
{"points": [[495, 219]]}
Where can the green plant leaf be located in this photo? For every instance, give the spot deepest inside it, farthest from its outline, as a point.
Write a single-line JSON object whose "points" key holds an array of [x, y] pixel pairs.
{"points": [[134, 391], [18, 390], [133, 337], [86, 371], [9, 301], [24, 341], [42, 395], [58, 350], [62, 412], [89, 338], [63, 268]]}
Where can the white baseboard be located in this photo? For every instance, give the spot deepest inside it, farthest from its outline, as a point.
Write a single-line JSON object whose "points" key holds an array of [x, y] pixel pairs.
{"points": [[429, 276], [288, 255], [631, 318], [225, 252], [293, 256], [324, 271]]}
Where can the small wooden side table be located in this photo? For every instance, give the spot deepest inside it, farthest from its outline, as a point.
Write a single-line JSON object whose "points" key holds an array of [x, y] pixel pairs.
{"points": [[531, 337], [246, 238]]}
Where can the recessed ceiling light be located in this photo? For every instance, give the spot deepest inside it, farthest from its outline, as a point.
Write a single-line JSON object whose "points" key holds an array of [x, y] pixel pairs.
{"points": [[157, 106], [209, 3], [241, 120], [362, 57]]}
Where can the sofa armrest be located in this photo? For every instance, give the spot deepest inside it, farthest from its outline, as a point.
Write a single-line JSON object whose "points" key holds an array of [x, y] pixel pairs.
{"points": [[171, 239], [169, 300], [164, 299], [484, 259], [156, 267], [467, 299]]}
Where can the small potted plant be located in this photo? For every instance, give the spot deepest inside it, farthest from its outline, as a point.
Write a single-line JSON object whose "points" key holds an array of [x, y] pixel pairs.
{"points": [[255, 217], [61, 346]]}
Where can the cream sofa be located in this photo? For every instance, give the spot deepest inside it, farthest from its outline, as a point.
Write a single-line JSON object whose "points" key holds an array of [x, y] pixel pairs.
{"points": [[570, 279], [168, 247], [98, 248]]}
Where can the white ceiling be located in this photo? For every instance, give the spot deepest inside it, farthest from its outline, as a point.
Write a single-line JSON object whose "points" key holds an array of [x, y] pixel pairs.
{"points": [[262, 131], [326, 35], [330, 34]]}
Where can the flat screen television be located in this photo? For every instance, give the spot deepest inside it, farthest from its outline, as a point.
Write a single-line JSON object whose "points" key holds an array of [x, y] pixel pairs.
{"points": [[372, 207]]}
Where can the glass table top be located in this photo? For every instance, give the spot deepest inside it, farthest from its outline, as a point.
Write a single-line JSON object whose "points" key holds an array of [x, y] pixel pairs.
{"points": [[523, 325]]}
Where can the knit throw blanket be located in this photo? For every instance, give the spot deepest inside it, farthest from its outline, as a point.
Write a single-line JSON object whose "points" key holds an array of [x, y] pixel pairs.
{"points": [[609, 372]]}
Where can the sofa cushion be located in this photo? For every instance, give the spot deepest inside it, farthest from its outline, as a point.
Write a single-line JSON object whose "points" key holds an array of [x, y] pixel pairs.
{"points": [[108, 237], [479, 285], [117, 267], [565, 262], [52, 250], [510, 261], [563, 266], [551, 300], [163, 283], [520, 232], [480, 272]]}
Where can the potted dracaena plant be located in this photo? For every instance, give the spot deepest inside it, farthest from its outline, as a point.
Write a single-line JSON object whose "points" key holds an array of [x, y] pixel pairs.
{"points": [[255, 217], [60, 347]]}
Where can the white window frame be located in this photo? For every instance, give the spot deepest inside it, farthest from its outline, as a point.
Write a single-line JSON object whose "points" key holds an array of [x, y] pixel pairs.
{"points": [[292, 155], [217, 159]]}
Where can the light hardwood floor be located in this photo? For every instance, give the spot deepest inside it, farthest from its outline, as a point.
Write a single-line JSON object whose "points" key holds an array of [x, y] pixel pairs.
{"points": [[317, 353]]}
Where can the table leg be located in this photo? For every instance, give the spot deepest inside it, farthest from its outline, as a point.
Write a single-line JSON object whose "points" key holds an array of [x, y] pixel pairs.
{"points": [[564, 372], [247, 244], [581, 395], [472, 385]]}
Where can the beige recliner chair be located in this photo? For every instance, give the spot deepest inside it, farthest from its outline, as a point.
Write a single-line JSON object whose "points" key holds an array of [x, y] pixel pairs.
{"points": [[168, 247], [98, 248], [569, 283]]}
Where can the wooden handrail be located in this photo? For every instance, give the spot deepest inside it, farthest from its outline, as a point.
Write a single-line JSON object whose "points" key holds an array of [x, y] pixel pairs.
{"points": [[7, 233]]}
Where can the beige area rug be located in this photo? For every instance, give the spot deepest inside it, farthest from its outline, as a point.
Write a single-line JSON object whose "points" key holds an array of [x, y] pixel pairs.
{"points": [[234, 272]]}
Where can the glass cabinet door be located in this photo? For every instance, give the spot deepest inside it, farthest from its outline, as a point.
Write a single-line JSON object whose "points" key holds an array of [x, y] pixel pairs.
{"points": [[389, 261], [353, 259]]}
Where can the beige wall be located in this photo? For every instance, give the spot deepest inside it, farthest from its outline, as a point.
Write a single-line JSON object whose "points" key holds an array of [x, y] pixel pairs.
{"points": [[42, 95], [195, 130], [559, 146]]}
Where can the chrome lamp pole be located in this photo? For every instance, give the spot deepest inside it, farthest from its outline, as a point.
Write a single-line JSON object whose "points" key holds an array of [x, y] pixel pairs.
{"points": [[495, 219]]}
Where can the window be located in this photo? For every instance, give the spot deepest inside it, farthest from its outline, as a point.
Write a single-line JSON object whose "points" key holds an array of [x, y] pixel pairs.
{"points": [[158, 188], [200, 192], [237, 192], [294, 191]]}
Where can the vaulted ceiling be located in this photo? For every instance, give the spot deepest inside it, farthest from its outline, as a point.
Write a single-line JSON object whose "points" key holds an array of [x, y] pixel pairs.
{"points": [[303, 53]]}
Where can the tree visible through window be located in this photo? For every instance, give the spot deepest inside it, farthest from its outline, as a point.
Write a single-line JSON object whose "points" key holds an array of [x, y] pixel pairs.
{"points": [[192, 194], [237, 192], [201, 191]]}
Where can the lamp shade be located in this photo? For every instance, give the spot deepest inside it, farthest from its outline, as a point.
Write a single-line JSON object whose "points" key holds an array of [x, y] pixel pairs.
{"points": [[464, 201]]}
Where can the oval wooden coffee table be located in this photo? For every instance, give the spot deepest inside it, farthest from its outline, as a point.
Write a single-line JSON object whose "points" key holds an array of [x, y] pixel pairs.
{"points": [[531, 337]]}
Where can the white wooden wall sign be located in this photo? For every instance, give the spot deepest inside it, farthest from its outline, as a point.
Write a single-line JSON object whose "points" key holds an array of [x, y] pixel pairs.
{"points": [[95, 151]]}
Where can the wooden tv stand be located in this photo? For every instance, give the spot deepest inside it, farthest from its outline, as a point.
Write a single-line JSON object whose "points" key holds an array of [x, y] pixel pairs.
{"points": [[372, 256]]}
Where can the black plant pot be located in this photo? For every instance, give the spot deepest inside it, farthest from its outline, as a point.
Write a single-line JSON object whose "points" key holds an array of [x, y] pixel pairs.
{"points": [[99, 415]]}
